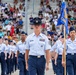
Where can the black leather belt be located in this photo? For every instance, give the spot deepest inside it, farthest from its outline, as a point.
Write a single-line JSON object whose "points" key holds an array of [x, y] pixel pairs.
{"points": [[71, 53], [39, 56], [22, 53]]}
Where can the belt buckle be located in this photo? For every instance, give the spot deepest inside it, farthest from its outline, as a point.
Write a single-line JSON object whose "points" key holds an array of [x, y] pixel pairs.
{"points": [[72, 53], [38, 56]]}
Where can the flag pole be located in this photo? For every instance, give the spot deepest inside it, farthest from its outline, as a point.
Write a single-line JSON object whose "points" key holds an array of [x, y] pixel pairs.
{"points": [[64, 51]]}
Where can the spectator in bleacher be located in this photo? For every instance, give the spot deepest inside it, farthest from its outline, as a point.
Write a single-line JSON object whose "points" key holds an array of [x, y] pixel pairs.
{"points": [[12, 31], [15, 1], [1, 32], [31, 21]]}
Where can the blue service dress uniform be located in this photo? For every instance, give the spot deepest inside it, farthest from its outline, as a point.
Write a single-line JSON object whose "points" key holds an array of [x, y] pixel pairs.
{"points": [[13, 51], [52, 50], [59, 51], [21, 58], [71, 56], [2, 59], [15, 57], [11, 58], [7, 50], [37, 45]]}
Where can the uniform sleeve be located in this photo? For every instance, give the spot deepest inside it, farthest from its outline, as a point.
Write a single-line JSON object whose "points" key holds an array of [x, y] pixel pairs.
{"points": [[17, 48], [9, 50], [27, 44], [47, 45], [59, 48], [56, 50], [4, 47], [66, 44]]}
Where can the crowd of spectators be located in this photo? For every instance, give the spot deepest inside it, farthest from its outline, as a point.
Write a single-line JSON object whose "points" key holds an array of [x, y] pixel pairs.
{"points": [[11, 19]]}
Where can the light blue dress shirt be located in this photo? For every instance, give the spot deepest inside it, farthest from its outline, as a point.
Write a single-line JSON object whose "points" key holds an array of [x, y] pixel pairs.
{"points": [[58, 47], [15, 49], [37, 44], [7, 48], [71, 46], [53, 48], [21, 47], [2, 47]]}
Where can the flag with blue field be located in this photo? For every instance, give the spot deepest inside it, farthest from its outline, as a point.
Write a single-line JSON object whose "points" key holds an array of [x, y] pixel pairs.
{"points": [[63, 19]]}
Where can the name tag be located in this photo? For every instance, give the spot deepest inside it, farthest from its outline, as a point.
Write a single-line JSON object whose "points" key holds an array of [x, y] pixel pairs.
{"points": [[42, 40], [31, 40]]}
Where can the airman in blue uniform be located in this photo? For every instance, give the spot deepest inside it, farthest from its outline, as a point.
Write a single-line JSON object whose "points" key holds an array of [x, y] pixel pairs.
{"points": [[2, 57], [56, 53], [13, 52], [11, 55], [58, 56], [7, 50], [21, 54], [36, 47], [53, 53], [15, 57], [71, 52]]}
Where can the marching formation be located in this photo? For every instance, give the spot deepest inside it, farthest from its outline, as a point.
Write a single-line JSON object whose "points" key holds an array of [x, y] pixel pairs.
{"points": [[31, 54], [8, 56]]}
